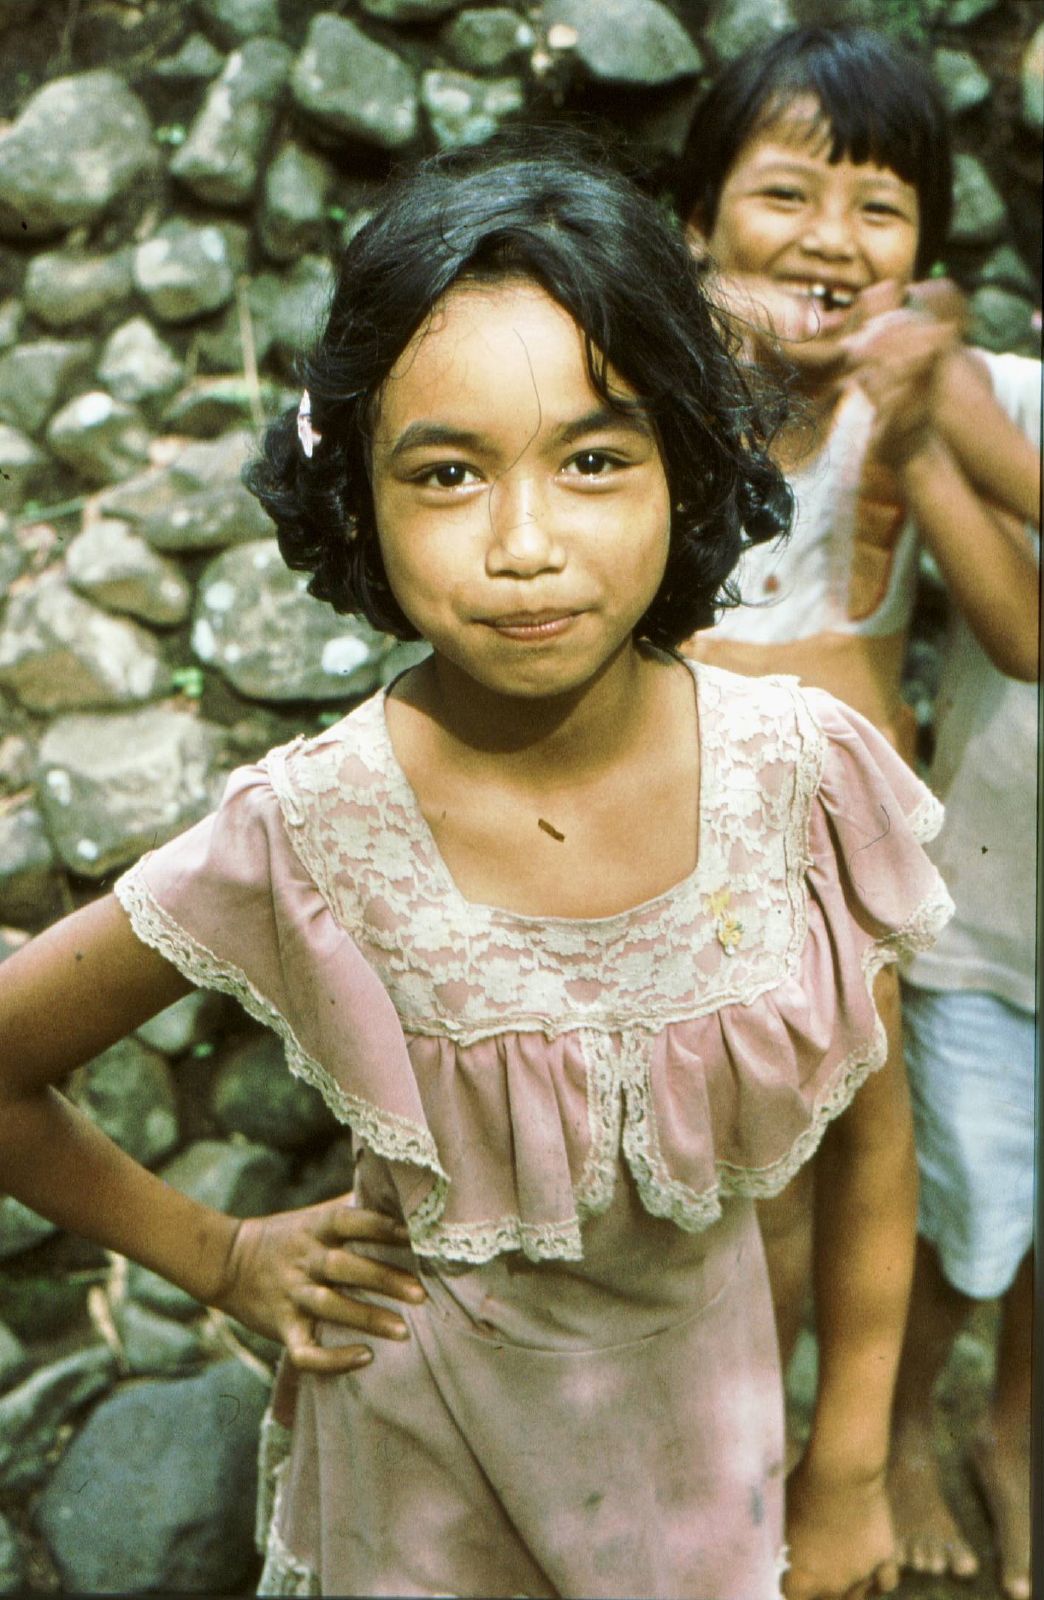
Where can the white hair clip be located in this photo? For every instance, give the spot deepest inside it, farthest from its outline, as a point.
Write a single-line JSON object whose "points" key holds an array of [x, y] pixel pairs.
{"points": [[308, 436]]}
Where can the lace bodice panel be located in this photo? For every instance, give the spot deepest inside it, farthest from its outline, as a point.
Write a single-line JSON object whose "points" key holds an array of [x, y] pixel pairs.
{"points": [[730, 930]]}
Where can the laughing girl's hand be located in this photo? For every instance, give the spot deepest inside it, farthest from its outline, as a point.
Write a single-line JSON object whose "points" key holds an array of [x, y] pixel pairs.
{"points": [[840, 1538], [289, 1271]]}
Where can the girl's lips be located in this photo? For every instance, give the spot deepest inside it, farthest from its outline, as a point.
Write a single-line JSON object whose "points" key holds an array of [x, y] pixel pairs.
{"points": [[537, 625]]}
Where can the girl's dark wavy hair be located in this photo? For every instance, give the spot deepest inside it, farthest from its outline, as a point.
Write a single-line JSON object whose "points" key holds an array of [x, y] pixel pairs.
{"points": [[878, 102], [548, 208]]}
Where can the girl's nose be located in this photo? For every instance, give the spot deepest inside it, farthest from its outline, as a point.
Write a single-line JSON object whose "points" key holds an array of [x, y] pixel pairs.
{"points": [[523, 541], [829, 233]]}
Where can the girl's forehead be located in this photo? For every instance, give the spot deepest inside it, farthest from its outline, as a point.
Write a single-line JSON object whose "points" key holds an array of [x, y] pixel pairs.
{"points": [[481, 331]]}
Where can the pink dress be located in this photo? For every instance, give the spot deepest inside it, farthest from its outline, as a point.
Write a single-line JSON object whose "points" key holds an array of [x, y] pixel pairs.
{"points": [[574, 1116]]}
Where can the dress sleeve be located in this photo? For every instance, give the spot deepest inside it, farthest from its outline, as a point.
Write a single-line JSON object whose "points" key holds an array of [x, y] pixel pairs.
{"points": [[742, 1096], [230, 905]]}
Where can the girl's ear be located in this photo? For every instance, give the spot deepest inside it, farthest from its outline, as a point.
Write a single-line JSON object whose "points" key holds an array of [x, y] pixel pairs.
{"points": [[695, 237]]}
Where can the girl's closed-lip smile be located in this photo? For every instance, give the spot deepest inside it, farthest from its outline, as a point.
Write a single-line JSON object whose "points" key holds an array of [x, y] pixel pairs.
{"points": [[535, 625]]}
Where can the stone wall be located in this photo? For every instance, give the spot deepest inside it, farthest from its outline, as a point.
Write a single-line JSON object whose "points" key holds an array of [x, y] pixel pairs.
{"points": [[174, 181]]}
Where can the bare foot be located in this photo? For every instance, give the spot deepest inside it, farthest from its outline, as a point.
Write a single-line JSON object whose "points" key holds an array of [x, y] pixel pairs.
{"points": [[927, 1537], [1003, 1475]]}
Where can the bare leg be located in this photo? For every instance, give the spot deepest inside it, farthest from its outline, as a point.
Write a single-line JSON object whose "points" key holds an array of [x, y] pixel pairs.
{"points": [[1001, 1448], [786, 1231], [928, 1537]]}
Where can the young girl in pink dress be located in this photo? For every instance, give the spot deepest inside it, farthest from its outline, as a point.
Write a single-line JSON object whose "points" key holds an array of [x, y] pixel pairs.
{"points": [[586, 943]]}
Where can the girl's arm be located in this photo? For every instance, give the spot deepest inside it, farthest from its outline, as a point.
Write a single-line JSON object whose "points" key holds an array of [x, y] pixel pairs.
{"points": [[64, 997], [991, 448], [984, 558], [839, 1526]]}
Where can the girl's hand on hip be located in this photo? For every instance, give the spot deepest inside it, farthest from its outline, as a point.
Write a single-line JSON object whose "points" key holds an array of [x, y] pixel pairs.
{"points": [[840, 1537], [287, 1272]]}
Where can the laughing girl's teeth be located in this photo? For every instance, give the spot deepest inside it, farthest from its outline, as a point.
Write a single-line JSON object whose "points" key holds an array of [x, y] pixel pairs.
{"points": [[833, 299]]}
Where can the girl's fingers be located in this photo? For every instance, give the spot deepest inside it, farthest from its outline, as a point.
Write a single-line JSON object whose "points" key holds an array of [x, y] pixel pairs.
{"points": [[308, 1356], [344, 1221], [360, 1272], [330, 1305]]}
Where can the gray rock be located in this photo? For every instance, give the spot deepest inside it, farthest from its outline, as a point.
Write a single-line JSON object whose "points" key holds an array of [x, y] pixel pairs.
{"points": [[627, 41], [1031, 83], [13, 558], [20, 1228], [221, 158], [233, 21], [486, 40], [465, 110], [194, 61], [209, 519], [136, 365], [128, 1092], [32, 1414], [14, 1577], [57, 653], [325, 1177], [243, 1180], [215, 464], [99, 437], [185, 272], [21, 466], [36, 375], [404, 653], [353, 86], [79, 144], [961, 13], [292, 305], [179, 1458], [16, 763], [255, 623], [113, 786], [737, 25], [154, 1344], [256, 1095], [979, 213], [11, 312], [294, 203], [15, 1361], [1000, 320], [188, 1022], [62, 288], [1006, 268], [149, 1289], [408, 10], [962, 80], [208, 406], [11, 939], [29, 894]]}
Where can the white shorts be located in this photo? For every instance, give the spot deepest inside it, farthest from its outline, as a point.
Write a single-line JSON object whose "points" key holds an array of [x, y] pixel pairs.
{"points": [[971, 1062]]}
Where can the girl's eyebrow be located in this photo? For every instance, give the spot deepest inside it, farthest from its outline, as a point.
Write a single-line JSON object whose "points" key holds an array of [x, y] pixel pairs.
{"points": [[417, 435]]}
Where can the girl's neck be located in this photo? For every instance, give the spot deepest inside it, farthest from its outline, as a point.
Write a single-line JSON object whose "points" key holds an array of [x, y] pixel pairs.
{"points": [[803, 435], [535, 739]]}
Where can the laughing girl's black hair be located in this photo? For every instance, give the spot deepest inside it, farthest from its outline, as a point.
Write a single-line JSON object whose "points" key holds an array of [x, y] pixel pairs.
{"points": [[543, 207]]}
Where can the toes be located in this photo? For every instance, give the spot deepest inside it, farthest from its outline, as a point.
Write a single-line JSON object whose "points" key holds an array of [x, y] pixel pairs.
{"points": [[1016, 1585]]}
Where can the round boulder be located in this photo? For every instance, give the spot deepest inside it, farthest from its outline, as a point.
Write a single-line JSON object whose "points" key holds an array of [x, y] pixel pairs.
{"points": [[79, 144]]}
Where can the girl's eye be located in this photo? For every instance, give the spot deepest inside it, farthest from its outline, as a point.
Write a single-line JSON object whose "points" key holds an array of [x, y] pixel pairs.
{"points": [[594, 463], [881, 208], [447, 475], [780, 192]]}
